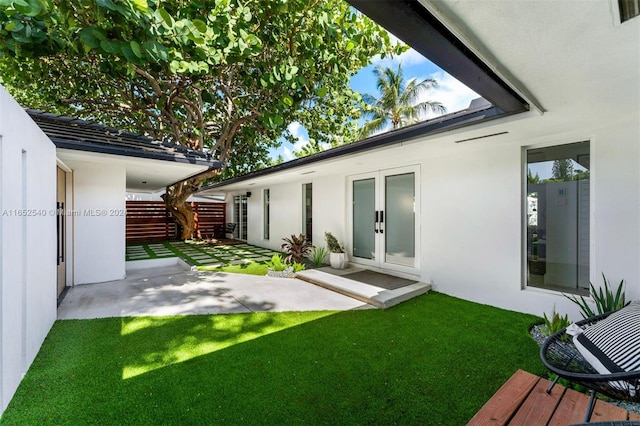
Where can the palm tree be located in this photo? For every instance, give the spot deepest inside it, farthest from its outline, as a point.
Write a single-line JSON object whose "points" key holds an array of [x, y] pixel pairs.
{"points": [[398, 101]]}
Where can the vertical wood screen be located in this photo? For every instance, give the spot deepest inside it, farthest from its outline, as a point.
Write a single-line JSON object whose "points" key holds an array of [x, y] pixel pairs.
{"points": [[150, 221]]}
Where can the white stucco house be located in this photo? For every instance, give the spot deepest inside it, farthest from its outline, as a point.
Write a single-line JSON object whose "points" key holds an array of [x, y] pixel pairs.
{"points": [[63, 185], [449, 201]]}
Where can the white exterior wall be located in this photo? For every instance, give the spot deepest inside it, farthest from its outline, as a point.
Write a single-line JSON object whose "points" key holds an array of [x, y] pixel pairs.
{"points": [[27, 243], [286, 211], [471, 237], [99, 227], [481, 228], [330, 209]]}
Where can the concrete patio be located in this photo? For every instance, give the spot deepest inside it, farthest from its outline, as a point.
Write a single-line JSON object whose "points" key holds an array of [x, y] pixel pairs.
{"points": [[171, 286], [171, 290]]}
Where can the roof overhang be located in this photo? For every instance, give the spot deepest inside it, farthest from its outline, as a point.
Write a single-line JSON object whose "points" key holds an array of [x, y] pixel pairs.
{"points": [[66, 144], [150, 165], [142, 174]]}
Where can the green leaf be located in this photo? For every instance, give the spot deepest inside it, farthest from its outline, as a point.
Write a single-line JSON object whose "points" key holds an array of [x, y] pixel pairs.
{"points": [[88, 37], [141, 5], [350, 45], [166, 18], [110, 46], [128, 53], [247, 14], [155, 50], [322, 92], [28, 8], [287, 100], [99, 33], [135, 48], [14, 26], [200, 25], [107, 4]]}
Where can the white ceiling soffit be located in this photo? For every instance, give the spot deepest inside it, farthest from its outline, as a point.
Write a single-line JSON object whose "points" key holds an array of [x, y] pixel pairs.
{"points": [[143, 174]]}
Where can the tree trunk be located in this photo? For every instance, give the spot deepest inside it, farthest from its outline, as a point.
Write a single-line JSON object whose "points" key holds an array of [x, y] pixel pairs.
{"points": [[175, 198]]}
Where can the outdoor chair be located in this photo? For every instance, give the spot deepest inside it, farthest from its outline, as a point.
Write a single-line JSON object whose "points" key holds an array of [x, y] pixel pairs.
{"points": [[603, 355], [229, 228]]}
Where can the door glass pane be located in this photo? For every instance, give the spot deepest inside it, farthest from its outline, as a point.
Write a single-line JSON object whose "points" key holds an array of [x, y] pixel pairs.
{"points": [[399, 219], [364, 218], [558, 217]]}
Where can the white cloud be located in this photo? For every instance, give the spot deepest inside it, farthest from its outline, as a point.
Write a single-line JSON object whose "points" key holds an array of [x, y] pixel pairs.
{"points": [[454, 95], [300, 133], [302, 138], [287, 154]]}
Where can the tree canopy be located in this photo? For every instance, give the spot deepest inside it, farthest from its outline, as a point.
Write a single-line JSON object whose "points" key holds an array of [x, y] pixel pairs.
{"points": [[223, 75], [227, 76]]}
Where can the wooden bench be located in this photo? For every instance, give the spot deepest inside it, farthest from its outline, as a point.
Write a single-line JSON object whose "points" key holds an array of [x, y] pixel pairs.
{"points": [[523, 400]]}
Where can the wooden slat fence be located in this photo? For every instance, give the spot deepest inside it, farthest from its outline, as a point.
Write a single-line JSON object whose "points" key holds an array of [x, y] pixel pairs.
{"points": [[210, 219], [150, 221]]}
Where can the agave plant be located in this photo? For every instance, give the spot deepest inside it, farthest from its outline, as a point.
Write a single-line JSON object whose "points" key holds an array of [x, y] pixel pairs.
{"points": [[604, 297], [555, 323], [296, 248]]}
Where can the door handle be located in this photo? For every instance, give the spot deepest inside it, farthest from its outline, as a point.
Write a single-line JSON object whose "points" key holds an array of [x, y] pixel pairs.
{"points": [[375, 223], [381, 221]]}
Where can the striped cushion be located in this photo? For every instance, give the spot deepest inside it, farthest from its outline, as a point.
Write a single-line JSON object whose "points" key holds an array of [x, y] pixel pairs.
{"points": [[613, 344]]}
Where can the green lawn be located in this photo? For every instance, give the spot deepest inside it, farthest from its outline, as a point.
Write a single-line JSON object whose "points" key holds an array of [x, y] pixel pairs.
{"points": [[432, 360]]}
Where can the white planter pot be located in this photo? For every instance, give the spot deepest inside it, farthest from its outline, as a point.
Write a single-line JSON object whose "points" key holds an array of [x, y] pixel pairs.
{"points": [[338, 260]]}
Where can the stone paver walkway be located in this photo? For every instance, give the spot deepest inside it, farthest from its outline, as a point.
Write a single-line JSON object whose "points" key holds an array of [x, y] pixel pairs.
{"points": [[199, 253]]}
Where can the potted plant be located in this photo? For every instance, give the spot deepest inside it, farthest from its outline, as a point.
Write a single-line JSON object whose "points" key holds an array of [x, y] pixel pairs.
{"points": [[338, 258], [280, 267]]}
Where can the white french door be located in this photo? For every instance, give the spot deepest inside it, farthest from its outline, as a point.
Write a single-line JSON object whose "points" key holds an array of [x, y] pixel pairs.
{"points": [[384, 219], [240, 216]]}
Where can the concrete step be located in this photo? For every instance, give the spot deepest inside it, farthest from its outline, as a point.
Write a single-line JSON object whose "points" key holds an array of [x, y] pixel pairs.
{"points": [[367, 293]]}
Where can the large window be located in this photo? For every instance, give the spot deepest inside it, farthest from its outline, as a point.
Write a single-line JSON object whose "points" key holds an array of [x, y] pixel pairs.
{"points": [[307, 209], [557, 217], [265, 213]]}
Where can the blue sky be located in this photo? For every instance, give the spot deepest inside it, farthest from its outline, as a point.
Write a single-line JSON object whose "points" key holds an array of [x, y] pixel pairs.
{"points": [[450, 92]]}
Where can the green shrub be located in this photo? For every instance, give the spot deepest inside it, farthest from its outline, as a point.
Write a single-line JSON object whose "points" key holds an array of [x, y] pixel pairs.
{"points": [[605, 298], [277, 263], [297, 266], [317, 255]]}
